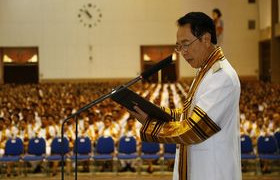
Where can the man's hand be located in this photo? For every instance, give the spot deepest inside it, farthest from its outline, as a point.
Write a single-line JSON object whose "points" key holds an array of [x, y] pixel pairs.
{"points": [[140, 115]]}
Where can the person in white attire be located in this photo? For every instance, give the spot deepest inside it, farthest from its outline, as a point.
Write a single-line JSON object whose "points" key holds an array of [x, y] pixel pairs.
{"points": [[207, 127]]}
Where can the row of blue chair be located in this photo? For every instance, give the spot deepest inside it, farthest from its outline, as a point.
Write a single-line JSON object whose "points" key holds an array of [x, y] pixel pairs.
{"points": [[268, 149], [127, 149]]}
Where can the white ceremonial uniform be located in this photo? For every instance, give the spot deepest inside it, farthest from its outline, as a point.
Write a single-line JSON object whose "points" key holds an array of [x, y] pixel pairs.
{"points": [[208, 125], [218, 158]]}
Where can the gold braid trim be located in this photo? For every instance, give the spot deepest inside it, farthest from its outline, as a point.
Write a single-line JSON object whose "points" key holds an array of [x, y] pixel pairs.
{"points": [[193, 130], [143, 129], [174, 113], [183, 164], [215, 56]]}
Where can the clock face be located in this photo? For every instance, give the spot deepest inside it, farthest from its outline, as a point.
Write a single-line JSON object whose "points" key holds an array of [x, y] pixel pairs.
{"points": [[89, 15]]}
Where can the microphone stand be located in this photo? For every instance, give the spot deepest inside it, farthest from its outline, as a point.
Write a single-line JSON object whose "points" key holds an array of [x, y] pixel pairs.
{"points": [[164, 63], [75, 116]]}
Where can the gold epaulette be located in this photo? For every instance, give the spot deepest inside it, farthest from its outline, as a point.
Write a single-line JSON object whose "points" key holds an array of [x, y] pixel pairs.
{"points": [[216, 67]]}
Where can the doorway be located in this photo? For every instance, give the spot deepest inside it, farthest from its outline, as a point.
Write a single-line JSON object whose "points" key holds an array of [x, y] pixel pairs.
{"points": [[19, 65], [152, 54], [265, 61]]}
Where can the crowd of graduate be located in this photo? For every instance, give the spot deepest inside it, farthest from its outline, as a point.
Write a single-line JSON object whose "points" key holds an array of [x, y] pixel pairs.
{"points": [[259, 109], [38, 110]]}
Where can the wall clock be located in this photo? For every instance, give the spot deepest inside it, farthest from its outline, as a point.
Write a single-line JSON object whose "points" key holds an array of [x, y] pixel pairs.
{"points": [[89, 15]]}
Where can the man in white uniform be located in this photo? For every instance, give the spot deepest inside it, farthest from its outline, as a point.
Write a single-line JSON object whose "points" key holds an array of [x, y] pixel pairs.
{"points": [[207, 128]]}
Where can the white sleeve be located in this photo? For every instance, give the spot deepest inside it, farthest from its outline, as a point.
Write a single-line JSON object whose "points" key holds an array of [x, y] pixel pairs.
{"points": [[216, 96]]}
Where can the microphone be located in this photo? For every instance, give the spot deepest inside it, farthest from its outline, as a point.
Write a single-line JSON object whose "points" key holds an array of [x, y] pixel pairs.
{"points": [[158, 66]]}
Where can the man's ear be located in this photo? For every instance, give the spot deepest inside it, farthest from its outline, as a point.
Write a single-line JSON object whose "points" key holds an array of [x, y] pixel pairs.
{"points": [[207, 38]]}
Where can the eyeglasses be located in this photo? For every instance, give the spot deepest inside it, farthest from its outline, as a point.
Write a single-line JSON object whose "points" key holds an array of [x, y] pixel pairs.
{"points": [[184, 47]]}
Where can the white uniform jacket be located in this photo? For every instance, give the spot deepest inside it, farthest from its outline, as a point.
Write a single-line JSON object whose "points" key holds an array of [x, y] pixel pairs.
{"points": [[207, 128]]}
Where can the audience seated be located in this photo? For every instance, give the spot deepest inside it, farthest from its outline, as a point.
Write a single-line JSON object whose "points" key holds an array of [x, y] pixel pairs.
{"points": [[38, 110]]}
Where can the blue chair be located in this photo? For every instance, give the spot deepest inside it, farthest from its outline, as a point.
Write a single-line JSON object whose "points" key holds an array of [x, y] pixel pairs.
{"points": [[84, 149], [13, 151], [247, 148], [247, 153], [168, 156], [277, 137], [104, 150], [267, 148], [127, 148], [149, 152], [36, 150], [57, 149], [169, 151]]}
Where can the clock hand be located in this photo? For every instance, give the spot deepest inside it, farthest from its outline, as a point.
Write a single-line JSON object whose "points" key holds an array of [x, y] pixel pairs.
{"points": [[88, 14]]}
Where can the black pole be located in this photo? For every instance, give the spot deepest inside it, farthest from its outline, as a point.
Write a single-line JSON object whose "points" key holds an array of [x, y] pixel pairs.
{"points": [[76, 147]]}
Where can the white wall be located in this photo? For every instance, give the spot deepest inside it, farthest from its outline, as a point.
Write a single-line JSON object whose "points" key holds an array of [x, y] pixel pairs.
{"points": [[241, 44], [63, 42], [265, 13]]}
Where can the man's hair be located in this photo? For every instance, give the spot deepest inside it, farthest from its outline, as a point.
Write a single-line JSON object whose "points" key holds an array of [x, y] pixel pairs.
{"points": [[217, 11], [200, 24]]}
